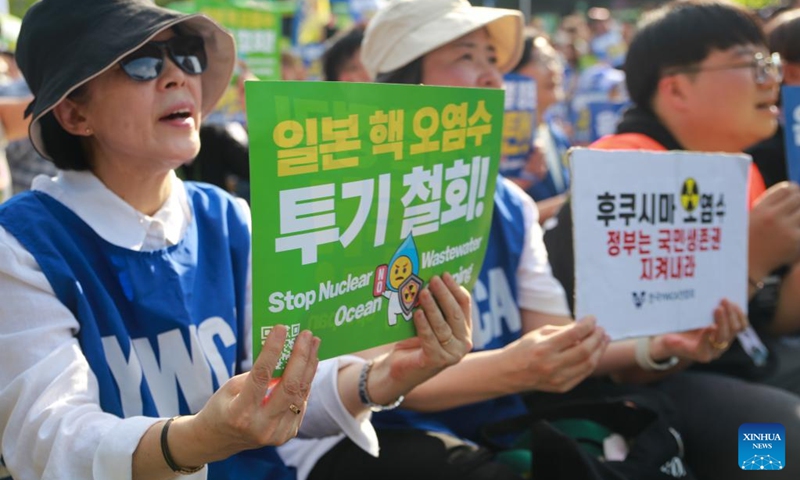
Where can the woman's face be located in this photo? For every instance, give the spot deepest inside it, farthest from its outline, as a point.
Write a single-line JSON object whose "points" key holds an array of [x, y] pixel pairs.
{"points": [[469, 61], [147, 124]]}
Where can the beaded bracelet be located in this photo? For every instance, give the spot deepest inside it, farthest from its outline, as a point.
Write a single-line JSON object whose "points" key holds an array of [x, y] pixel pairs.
{"points": [[364, 396]]}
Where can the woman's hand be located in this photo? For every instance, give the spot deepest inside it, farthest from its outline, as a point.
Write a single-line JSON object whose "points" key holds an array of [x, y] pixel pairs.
{"points": [[245, 413], [703, 344], [444, 336], [555, 358]]}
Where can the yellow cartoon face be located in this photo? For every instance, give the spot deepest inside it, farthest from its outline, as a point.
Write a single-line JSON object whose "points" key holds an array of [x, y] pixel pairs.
{"points": [[399, 271]]}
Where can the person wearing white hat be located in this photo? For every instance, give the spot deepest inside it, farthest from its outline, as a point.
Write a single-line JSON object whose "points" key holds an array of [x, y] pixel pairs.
{"points": [[407, 30], [445, 42], [451, 43], [524, 338], [125, 292]]}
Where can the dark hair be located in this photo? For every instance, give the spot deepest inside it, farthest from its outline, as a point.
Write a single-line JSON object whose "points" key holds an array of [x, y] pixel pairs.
{"points": [[527, 52], [340, 50], [66, 149], [529, 48], [410, 73], [683, 33], [783, 35]]}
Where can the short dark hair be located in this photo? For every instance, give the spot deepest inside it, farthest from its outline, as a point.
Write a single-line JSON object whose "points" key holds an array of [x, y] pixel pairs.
{"points": [[683, 33], [342, 47], [66, 150], [410, 73], [527, 51], [783, 35], [530, 48]]}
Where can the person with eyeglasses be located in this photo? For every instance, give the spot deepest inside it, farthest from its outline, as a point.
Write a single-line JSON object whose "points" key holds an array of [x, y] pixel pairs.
{"points": [[125, 299], [702, 79]]}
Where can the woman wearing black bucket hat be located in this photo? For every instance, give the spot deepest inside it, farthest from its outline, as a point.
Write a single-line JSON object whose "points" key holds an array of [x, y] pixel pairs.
{"points": [[124, 292]]}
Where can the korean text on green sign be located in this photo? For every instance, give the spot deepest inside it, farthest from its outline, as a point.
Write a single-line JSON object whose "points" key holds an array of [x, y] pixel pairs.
{"points": [[361, 193]]}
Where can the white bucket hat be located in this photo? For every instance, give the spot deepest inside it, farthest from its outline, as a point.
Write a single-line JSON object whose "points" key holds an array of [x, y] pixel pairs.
{"points": [[405, 30]]}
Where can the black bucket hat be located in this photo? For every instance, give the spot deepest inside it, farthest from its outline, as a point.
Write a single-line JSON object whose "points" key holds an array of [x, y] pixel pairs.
{"points": [[65, 43]]}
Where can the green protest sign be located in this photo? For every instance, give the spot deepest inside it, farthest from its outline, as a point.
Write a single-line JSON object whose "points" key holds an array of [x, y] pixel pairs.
{"points": [[256, 28], [361, 193]]}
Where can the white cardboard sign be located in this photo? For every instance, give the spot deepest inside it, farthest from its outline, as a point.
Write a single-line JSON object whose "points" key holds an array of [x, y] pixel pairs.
{"points": [[660, 238]]}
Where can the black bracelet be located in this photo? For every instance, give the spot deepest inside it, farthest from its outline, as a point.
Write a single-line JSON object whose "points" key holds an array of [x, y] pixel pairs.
{"points": [[168, 456]]}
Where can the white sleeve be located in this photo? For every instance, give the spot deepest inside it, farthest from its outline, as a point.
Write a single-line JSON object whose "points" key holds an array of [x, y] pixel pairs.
{"points": [[539, 291], [50, 419], [327, 421]]}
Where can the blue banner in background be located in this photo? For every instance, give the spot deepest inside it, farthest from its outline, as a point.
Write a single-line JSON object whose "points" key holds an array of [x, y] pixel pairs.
{"points": [[363, 10], [519, 124], [604, 118], [791, 130]]}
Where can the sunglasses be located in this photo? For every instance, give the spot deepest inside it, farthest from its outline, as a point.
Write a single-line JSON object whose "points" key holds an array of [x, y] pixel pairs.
{"points": [[186, 51]]}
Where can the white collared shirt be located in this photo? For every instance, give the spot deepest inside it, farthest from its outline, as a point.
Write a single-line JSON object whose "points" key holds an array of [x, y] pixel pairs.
{"points": [[51, 422]]}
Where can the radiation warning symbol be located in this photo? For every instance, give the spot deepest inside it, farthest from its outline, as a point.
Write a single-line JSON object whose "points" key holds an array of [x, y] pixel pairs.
{"points": [[690, 195], [409, 293]]}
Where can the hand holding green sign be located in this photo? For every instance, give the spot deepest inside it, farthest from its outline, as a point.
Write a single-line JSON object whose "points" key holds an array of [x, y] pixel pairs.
{"points": [[361, 194]]}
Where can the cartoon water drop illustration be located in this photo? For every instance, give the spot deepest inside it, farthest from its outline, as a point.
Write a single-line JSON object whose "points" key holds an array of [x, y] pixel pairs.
{"points": [[399, 281]]}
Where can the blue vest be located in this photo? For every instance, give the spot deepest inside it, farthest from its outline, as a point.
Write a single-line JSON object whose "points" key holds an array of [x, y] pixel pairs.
{"points": [[496, 323], [161, 330]]}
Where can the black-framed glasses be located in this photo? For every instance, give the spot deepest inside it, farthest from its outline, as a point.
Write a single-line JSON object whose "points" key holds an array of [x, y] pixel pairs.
{"points": [[763, 67], [188, 52]]}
